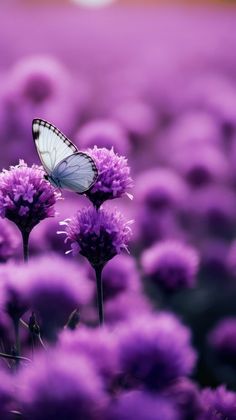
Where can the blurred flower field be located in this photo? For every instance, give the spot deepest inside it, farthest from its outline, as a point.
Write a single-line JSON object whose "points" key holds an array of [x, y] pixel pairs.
{"points": [[150, 94]]}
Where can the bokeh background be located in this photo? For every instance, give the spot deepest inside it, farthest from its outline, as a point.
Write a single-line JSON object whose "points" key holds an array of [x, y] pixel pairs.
{"points": [[158, 83]]}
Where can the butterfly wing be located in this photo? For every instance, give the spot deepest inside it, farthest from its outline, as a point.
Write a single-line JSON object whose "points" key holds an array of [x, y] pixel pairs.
{"points": [[51, 144], [76, 172]]}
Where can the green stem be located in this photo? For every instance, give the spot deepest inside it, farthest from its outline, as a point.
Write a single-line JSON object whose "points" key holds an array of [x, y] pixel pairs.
{"points": [[25, 239], [98, 272]]}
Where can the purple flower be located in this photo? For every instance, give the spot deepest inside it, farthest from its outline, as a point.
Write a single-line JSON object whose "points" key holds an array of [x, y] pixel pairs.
{"points": [[126, 306], [103, 133], [155, 225], [113, 176], [60, 386], [214, 255], [207, 164], [98, 344], [171, 264], [26, 197], [160, 189], [194, 127], [218, 404], [213, 210], [141, 405], [137, 117], [98, 235], [13, 290], [223, 338], [55, 287], [120, 275], [155, 350], [185, 394], [8, 241]]}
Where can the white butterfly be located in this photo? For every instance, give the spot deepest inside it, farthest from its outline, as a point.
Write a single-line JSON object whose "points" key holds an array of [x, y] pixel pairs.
{"points": [[66, 167]]}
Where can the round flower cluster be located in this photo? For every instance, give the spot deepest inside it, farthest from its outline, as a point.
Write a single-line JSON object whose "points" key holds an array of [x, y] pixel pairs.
{"points": [[171, 264], [26, 197], [98, 235], [113, 176], [155, 350]]}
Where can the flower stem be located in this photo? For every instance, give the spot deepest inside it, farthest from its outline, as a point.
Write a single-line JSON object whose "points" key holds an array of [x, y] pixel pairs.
{"points": [[17, 337], [25, 239], [98, 271]]}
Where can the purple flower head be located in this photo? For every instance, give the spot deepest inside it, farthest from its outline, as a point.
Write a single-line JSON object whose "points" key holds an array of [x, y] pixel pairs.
{"points": [[171, 265], [213, 210], [160, 189], [103, 133], [223, 338], [55, 287], [185, 394], [155, 350], [218, 404], [99, 345], [141, 405], [113, 176], [36, 80], [26, 197], [60, 386], [207, 164], [137, 117], [98, 235], [126, 306], [154, 226], [214, 255], [195, 127], [120, 275], [13, 290], [8, 241]]}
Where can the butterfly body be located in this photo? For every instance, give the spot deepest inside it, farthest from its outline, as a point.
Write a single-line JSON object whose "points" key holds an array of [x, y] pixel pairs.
{"points": [[65, 166]]}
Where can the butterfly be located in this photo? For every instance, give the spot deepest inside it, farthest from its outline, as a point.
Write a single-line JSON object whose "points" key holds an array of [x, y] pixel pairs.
{"points": [[65, 166]]}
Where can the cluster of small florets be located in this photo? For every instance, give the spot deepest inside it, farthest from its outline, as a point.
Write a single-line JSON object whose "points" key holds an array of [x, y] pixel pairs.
{"points": [[94, 232], [26, 197]]}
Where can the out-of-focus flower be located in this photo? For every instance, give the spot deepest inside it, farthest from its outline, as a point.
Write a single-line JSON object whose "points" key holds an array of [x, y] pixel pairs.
{"points": [[98, 235], [171, 265], [155, 350], [8, 241], [120, 275], [223, 338], [141, 405], [126, 306], [26, 197], [207, 164], [98, 344], [195, 127], [60, 386], [103, 134], [213, 211], [154, 226], [214, 255], [13, 290], [55, 287], [137, 117], [113, 176], [160, 189], [185, 394], [218, 403]]}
